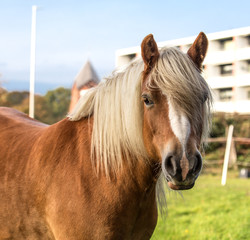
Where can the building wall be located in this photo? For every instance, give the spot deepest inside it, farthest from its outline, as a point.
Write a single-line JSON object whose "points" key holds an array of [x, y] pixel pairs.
{"points": [[226, 67]]}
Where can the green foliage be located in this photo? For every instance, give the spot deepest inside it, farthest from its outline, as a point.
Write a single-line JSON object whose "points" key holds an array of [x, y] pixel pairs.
{"points": [[208, 212], [221, 121], [15, 97], [43, 112], [10, 99], [58, 100], [49, 109], [220, 124]]}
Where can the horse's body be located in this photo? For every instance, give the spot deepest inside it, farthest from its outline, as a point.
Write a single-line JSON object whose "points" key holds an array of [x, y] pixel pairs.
{"points": [[44, 197], [51, 187]]}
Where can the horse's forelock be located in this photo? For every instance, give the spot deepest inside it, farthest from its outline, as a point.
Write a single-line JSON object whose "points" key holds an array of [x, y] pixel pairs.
{"points": [[178, 78]]}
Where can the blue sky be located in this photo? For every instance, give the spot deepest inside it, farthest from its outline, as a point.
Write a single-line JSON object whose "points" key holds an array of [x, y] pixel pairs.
{"points": [[70, 32]]}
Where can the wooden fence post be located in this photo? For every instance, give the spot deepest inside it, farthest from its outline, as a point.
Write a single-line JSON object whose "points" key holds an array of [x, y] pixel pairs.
{"points": [[227, 155], [233, 155]]}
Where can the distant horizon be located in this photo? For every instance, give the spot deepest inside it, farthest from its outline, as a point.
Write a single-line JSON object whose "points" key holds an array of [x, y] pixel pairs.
{"points": [[40, 87]]}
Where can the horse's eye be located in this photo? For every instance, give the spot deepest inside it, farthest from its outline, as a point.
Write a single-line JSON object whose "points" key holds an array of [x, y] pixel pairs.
{"points": [[148, 102], [205, 97]]}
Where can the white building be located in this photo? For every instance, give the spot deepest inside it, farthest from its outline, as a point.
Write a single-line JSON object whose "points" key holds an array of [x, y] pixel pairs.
{"points": [[226, 66]]}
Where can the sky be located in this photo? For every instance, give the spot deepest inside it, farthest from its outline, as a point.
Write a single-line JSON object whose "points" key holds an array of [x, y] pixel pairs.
{"points": [[71, 32]]}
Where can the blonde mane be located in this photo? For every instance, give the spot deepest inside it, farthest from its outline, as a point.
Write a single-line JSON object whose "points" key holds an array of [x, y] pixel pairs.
{"points": [[118, 110]]}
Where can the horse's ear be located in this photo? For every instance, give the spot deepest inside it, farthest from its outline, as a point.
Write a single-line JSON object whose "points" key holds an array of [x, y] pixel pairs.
{"points": [[198, 50], [149, 52]]}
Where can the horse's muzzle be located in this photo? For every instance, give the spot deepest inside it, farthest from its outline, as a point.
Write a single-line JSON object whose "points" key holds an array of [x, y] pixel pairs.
{"points": [[180, 187], [181, 172]]}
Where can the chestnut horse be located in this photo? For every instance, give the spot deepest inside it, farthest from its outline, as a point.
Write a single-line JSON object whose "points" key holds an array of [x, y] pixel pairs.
{"points": [[93, 175]]}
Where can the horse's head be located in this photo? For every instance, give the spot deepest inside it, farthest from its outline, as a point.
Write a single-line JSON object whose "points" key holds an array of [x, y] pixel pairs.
{"points": [[176, 105]]}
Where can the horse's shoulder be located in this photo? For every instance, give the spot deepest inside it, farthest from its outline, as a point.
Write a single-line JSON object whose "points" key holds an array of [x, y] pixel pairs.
{"points": [[10, 115]]}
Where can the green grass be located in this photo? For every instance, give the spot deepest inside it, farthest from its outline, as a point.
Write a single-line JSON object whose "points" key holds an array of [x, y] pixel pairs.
{"points": [[209, 211]]}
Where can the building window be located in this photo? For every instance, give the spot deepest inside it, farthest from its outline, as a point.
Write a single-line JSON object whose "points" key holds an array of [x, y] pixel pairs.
{"points": [[131, 56], [226, 69], [226, 94], [245, 66], [248, 40], [226, 44], [248, 94]]}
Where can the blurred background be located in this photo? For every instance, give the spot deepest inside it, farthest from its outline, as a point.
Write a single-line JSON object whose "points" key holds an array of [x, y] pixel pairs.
{"points": [[78, 43]]}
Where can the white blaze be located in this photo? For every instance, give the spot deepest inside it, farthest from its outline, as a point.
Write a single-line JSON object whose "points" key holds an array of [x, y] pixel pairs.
{"points": [[181, 128], [180, 125]]}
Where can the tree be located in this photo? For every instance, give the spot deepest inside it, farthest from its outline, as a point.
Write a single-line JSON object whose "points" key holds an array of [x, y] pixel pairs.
{"points": [[49, 109], [58, 102]]}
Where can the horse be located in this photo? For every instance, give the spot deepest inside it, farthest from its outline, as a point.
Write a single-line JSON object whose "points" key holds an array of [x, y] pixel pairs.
{"points": [[95, 174]]}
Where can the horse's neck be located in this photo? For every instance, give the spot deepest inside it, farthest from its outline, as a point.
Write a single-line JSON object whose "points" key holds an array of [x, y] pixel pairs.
{"points": [[125, 198], [138, 175]]}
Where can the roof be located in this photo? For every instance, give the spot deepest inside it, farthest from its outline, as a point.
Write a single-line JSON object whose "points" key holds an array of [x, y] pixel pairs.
{"points": [[87, 74]]}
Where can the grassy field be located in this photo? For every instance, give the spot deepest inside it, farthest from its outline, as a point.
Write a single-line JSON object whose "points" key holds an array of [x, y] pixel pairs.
{"points": [[208, 211]]}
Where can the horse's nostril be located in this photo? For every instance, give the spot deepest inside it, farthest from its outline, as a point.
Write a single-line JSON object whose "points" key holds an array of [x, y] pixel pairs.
{"points": [[197, 164], [170, 165]]}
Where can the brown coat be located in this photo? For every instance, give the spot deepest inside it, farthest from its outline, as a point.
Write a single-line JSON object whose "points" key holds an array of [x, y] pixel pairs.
{"points": [[50, 191]]}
